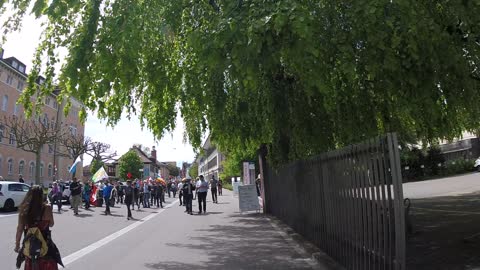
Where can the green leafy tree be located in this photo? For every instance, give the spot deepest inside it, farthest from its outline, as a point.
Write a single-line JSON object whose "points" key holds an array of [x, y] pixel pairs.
{"points": [[193, 171], [95, 166], [130, 162], [174, 170], [300, 76]]}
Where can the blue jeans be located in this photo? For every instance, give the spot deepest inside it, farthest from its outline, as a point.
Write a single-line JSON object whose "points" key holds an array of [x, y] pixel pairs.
{"points": [[146, 200]]}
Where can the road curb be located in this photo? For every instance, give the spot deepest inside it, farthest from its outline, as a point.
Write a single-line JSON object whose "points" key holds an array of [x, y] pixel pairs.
{"points": [[303, 246]]}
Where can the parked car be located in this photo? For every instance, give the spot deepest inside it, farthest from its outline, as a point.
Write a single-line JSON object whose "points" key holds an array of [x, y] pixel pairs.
{"points": [[12, 194], [477, 164]]}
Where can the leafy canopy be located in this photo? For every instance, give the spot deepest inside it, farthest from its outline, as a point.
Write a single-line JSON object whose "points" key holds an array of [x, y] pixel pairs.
{"points": [[130, 162], [302, 76]]}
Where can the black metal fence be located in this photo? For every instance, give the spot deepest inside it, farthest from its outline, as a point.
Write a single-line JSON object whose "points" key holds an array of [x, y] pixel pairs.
{"points": [[348, 202]]}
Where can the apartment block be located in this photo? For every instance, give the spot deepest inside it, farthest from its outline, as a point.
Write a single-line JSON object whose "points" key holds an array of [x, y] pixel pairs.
{"points": [[15, 161]]}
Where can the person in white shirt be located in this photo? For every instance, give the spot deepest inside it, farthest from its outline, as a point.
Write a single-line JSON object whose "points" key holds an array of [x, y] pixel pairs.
{"points": [[180, 191], [202, 188]]}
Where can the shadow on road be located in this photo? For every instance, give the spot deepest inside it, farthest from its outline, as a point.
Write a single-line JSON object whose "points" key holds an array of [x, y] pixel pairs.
{"points": [[446, 233], [249, 243]]}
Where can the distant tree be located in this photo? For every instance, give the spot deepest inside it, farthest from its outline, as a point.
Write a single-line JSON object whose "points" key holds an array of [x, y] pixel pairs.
{"points": [[193, 170], [96, 165], [130, 162], [74, 145], [174, 170], [32, 135]]}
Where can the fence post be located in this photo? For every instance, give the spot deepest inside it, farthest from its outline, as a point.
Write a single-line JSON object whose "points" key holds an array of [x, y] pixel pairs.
{"points": [[397, 202]]}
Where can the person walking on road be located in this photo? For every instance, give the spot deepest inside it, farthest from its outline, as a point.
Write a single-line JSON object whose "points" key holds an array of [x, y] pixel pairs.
{"points": [[34, 213], [213, 189], [157, 195], [76, 191], [87, 191], [136, 195], [129, 198], [180, 191], [56, 196], [188, 189], [146, 195], [202, 188], [107, 192]]}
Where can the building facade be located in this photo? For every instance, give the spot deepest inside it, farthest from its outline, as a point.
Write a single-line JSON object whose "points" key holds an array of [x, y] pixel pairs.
{"points": [[151, 166], [211, 164], [15, 161]]}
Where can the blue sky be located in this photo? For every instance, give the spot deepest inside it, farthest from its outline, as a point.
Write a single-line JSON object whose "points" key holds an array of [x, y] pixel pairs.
{"points": [[127, 132]]}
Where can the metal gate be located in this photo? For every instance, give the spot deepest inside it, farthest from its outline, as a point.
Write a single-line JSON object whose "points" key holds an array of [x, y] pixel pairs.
{"points": [[348, 202]]}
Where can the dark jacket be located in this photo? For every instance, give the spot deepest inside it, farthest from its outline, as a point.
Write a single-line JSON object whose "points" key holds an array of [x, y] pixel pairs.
{"points": [[75, 188], [129, 195], [186, 190]]}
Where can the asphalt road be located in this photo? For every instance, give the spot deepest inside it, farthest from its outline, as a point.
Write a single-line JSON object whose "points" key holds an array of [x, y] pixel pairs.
{"points": [[165, 239], [450, 186]]}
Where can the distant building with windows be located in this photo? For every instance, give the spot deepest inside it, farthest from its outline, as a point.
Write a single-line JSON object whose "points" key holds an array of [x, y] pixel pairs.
{"points": [[14, 161], [151, 166], [212, 162]]}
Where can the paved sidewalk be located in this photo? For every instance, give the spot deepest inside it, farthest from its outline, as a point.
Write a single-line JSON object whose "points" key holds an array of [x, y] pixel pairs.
{"points": [[221, 239]]}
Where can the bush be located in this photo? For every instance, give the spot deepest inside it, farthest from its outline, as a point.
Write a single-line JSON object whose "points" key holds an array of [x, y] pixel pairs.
{"points": [[458, 166]]}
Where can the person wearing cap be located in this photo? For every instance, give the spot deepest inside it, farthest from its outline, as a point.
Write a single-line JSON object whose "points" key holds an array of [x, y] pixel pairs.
{"points": [[202, 189], [187, 190]]}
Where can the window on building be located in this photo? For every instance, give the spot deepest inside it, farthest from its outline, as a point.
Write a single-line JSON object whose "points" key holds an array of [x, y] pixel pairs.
{"points": [[5, 103], [41, 169], [20, 85], [12, 138], [15, 109], [1, 162], [45, 120], [73, 130], [9, 79], [21, 167], [50, 170], [55, 105], [15, 64], [50, 149], [31, 168], [10, 166], [2, 132], [47, 101], [21, 68]]}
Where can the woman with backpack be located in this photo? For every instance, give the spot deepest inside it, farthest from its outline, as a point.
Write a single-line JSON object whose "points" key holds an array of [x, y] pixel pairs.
{"points": [[34, 221]]}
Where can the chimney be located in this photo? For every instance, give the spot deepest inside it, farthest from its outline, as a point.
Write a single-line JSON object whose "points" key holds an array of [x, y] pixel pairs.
{"points": [[153, 154]]}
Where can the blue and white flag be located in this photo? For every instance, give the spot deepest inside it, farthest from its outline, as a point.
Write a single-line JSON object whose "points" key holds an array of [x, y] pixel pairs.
{"points": [[73, 169]]}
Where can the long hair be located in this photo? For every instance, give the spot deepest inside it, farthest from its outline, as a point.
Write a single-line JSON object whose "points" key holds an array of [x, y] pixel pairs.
{"points": [[30, 209]]}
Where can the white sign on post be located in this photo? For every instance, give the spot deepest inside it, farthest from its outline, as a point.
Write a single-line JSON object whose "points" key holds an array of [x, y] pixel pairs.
{"points": [[235, 187], [246, 173], [248, 199]]}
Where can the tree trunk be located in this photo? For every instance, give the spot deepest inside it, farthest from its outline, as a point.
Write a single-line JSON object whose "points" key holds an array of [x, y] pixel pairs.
{"points": [[37, 167]]}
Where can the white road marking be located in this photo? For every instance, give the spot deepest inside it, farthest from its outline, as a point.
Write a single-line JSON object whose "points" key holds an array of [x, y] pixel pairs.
{"points": [[11, 215], [86, 250]]}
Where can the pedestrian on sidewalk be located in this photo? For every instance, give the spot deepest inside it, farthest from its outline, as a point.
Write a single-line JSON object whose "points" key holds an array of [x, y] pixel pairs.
{"points": [[213, 189], [174, 189], [76, 191], [107, 192], [202, 188], [188, 189], [219, 185], [129, 198], [180, 191]]}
